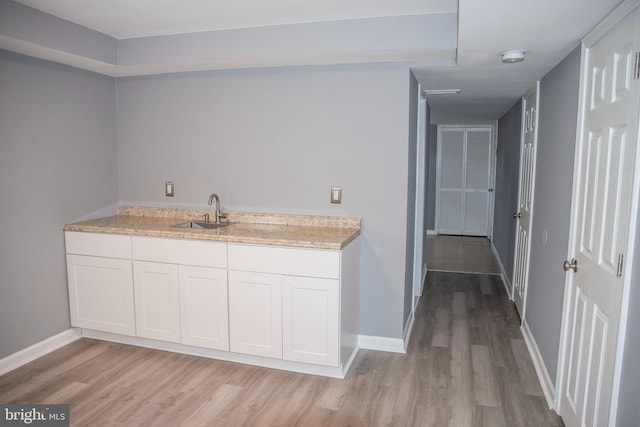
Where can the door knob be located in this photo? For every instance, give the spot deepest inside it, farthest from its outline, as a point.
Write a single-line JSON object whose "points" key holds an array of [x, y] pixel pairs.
{"points": [[516, 215], [571, 265]]}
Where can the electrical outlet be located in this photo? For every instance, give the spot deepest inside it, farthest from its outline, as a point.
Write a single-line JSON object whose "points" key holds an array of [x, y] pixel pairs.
{"points": [[336, 195], [168, 189]]}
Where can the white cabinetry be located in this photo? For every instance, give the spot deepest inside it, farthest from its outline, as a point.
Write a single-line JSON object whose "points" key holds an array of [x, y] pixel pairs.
{"points": [[100, 282], [203, 307], [157, 300], [181, 291], [310, 319], [285, 303], [255, 313]]}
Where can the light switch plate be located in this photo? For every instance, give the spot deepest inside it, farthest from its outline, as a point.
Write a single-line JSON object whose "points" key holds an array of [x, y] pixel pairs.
{"points": [[168, 189], [336, 195]]}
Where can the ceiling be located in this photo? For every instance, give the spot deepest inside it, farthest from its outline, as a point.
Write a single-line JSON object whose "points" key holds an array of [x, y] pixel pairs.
{"points": [[546, 29]]}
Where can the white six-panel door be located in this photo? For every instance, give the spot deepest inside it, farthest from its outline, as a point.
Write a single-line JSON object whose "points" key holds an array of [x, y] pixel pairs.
{"points": [[524, 216], [603, 187], [464, 180]]}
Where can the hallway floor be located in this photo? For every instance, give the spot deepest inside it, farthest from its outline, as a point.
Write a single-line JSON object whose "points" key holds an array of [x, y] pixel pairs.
{"points": [[461, 254]]}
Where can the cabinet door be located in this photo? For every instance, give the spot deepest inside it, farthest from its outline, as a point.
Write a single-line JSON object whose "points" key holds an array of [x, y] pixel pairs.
{"points": [[310, 313], [157, 300], [203, 307], [101, 294], [255, 313]]}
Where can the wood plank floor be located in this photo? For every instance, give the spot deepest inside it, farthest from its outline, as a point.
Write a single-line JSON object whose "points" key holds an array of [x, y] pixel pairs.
{"points": [[461, 254], [467, 365]]}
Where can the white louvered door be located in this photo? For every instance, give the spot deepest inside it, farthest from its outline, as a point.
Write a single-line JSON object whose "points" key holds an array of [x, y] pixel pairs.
{"points": [[464, 180]]}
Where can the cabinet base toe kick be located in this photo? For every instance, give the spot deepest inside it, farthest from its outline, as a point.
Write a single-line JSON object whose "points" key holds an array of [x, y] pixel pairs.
{"points": [[265, 362]]}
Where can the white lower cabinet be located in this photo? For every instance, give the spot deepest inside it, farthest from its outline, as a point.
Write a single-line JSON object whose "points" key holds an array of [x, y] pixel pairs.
{"points": [[270, 305], [204, 317], [100, 282], [157, 300], [101, 294], [277, 310], [310, 320], [181, 303], [255, 313]]}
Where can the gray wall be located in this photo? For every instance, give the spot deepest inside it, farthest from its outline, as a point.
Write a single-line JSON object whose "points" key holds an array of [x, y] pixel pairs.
{"points": [[57, 163], [276, 140], [411, 197], [558, 112], [628, 408], [432, 161], [506, 188]]}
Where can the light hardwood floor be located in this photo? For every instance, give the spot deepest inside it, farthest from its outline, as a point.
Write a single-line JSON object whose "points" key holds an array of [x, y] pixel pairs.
{"points": [[467, 365], [461, 254]]}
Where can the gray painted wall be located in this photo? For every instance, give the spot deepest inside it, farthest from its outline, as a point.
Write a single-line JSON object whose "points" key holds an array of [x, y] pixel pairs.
{"points": [[411, 197], [506, 189], [276, 140], [57, 163], [628, 408], [558, 112]]}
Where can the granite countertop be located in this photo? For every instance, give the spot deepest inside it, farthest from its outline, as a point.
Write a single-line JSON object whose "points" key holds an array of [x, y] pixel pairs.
{"points": [[306, 231]]}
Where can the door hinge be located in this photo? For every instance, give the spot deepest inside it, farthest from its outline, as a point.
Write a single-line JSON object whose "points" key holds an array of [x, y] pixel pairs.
{"points": [[620, 263], [636, 68]]}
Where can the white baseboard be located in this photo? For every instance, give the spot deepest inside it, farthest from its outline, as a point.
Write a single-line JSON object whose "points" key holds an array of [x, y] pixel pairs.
{"points": [[39, 349], [505, 277], [432, 233], [265, 362], [548, 388], [408, 328]]}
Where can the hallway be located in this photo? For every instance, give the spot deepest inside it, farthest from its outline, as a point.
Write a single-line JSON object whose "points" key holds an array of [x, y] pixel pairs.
{"points": [[462, 254]]}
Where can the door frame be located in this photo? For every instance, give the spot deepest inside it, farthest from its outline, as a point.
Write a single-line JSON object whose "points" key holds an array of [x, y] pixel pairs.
{"points": [[599, 32], [420, 235], [492, 171]]}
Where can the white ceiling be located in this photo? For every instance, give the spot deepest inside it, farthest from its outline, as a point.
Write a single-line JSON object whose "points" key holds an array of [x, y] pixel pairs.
{"points": [[138, 18], [546, 29]]}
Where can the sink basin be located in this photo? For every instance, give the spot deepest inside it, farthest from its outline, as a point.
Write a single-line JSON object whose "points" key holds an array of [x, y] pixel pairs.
{"points": [[200, 225]]}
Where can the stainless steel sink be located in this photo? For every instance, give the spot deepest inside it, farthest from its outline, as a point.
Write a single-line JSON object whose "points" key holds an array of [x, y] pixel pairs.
{"points": [[200, 225]]}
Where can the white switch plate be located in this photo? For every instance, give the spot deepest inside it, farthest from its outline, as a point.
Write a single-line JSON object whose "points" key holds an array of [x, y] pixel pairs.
{"points": [[168, 189], [336, 195]]}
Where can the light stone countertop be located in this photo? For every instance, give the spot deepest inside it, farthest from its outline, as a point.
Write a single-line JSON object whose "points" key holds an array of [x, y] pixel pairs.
{"points": [[306, 231]]}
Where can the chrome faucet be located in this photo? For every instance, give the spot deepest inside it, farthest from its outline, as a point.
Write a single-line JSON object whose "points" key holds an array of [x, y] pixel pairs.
{"points": [[217, 213]]}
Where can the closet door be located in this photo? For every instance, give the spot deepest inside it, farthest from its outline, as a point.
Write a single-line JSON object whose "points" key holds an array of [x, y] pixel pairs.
{"points": [[464, 180], [477, 182], [451, 194]]}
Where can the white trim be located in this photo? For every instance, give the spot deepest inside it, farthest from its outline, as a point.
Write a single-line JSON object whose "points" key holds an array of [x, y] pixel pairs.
{"points": [[432, 233], [37, 350], [265, 362], [503, 273], [419, 236], [408, 328], [538, 363], [370, 342]]}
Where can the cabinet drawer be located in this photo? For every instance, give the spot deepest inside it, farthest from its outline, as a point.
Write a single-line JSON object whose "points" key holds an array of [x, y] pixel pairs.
{"points": [[176, 251], [288, 261], [98, 244]]}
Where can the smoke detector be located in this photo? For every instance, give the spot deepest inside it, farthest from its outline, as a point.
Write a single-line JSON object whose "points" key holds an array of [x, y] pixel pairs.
{"points": [[512, 56]]}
